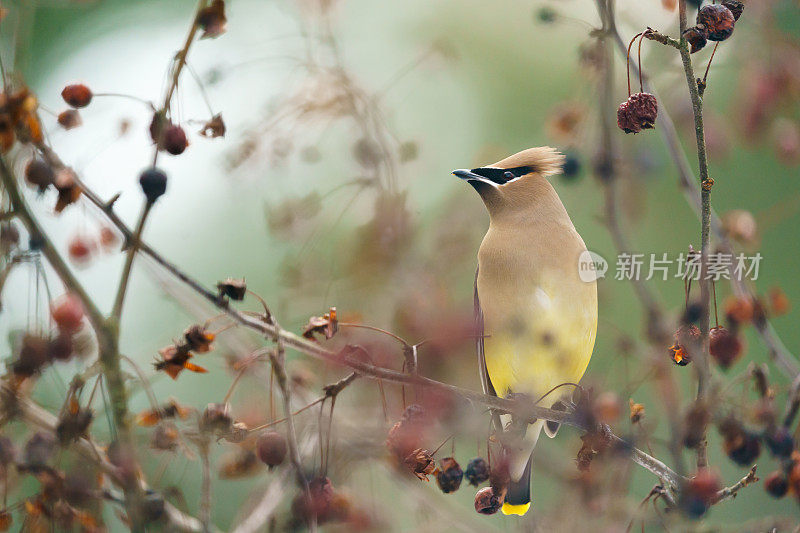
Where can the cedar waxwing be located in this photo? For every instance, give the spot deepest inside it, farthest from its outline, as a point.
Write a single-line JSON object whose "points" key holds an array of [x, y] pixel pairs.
{"points": [[536, 318]]}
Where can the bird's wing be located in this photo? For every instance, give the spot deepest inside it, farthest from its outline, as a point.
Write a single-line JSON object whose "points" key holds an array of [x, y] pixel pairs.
{"points": [[486, 383]]}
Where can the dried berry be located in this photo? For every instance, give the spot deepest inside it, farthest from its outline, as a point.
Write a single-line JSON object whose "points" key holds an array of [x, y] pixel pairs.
{"points": [[718, 21], [637, 411], [238, 464], [39, 449], [165, 437], [175, 359], [643, 107], [317, 503], [9, 235], [776, 484], [216, 419], [735, 6], [740, 310], [80, 250], [70, 119], [73, 425], [33, 355], [725, 346], [779, 442], [685, 339], [198, 339], [39, 174], [69, 191], [326, 325], [697, 36], [272, 448], [214, 127], [235, 289], [407, 434], [607, 408], [449, 475], [486, 502], [778, 302], [625, 120], [212, 19], [174, 140], [108, 238], [67, 312], [477, 471], [420, 462], [77, 95], [154, 183], [700, 492], [742, 446], [61, 347], [705, 485]]}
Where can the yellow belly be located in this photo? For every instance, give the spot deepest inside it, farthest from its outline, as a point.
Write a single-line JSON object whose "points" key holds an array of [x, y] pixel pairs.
{"points": [[539, 336]]}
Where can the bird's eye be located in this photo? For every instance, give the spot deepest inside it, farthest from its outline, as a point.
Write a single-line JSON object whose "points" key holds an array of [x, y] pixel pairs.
{"points": [[501, 176]]}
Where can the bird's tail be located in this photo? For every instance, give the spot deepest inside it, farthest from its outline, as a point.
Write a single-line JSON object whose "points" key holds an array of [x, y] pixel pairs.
{"points": [[518, 497]]}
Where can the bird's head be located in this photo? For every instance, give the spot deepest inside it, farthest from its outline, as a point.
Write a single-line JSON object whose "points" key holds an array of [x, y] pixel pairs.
{"points": [[516, 182]]}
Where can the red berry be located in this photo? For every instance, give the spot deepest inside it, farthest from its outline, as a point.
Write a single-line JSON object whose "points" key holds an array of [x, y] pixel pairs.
{"points": [[108, 238], [175, 141], [77, 95], [704, 485], [272, 448], [69, 119], [725, 346], [67, 312], [718, 20], [80, 250]]}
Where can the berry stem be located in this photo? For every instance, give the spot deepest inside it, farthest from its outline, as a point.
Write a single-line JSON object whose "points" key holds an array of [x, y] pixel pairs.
{"points": [[639, 60], [628, 61], [705, 76]]}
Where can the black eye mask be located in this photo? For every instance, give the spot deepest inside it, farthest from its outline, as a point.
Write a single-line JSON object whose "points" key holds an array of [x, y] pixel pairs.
{"points": [[501, 176]]}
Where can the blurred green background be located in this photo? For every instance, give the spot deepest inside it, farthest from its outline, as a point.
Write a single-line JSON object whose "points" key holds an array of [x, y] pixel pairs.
{"points": [[491, 77]]}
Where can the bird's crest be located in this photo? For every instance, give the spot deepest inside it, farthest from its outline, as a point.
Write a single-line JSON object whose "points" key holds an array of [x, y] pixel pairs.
{"points": [[542, 160]]}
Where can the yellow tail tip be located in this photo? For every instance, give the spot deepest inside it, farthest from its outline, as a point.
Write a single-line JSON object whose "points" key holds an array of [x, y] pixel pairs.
{"points": [[516, 509]]}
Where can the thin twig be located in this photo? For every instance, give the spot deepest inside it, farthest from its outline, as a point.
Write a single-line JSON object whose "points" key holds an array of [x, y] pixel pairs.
{"points": [[205, 499], [702, 362], [730, 492], [133, 247]]}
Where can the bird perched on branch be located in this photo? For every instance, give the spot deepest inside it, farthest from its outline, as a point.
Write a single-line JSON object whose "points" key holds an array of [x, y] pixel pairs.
{"points": [[536, 318]]}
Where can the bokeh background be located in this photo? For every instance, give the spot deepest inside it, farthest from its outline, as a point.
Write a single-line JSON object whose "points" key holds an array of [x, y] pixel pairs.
{"points": [[307, 206]]}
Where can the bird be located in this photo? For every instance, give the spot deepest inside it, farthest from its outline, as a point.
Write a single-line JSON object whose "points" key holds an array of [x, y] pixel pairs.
{"points": [[536, 319]]}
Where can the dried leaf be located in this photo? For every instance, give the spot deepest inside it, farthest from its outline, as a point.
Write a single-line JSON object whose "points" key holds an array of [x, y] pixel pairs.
{"points": [[214, 128], [326, 325]]}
